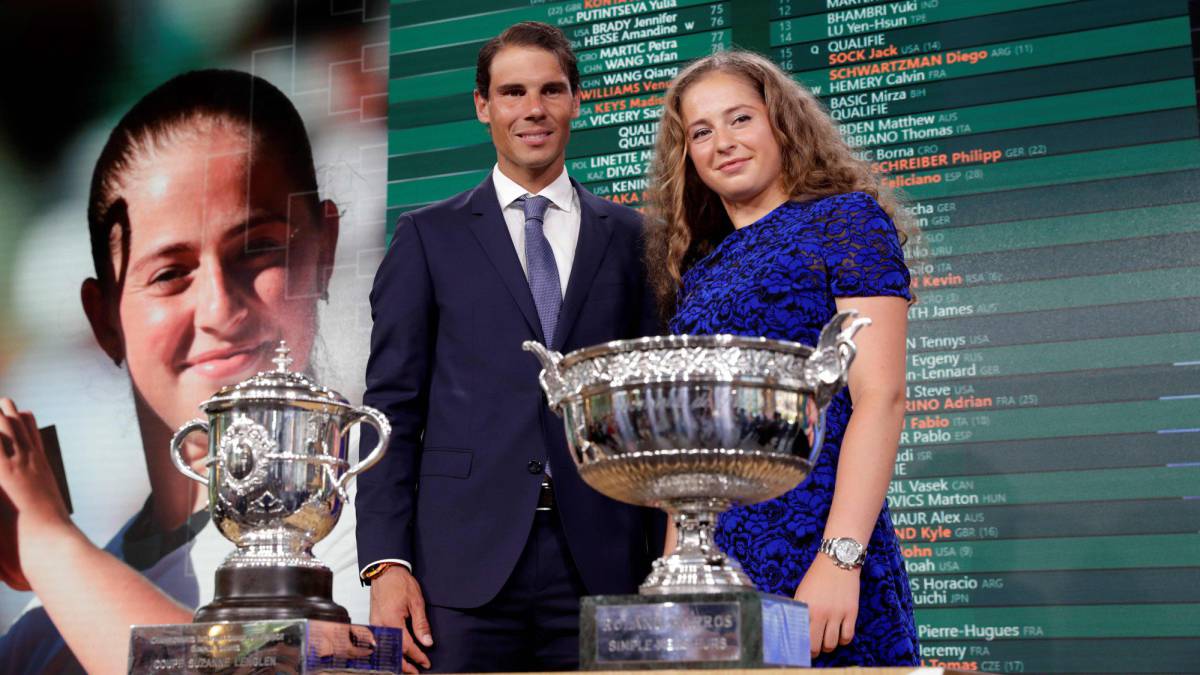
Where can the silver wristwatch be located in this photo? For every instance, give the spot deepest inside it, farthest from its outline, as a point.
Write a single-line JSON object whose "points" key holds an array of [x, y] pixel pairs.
{"points": [[847, 553]]}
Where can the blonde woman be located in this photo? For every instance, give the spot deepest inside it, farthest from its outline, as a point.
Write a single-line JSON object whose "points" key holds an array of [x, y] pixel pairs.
{"points": [[762, 222]]}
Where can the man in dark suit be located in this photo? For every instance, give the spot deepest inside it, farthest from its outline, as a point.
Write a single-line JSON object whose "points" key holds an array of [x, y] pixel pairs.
{"points": [[476, 505]]}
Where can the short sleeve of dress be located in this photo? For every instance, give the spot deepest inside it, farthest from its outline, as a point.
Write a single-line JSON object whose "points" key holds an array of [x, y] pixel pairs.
{"points": [[863, 256]]}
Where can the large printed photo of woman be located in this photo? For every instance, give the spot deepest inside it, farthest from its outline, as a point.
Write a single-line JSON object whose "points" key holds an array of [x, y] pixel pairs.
{"points": [[211, 240]]}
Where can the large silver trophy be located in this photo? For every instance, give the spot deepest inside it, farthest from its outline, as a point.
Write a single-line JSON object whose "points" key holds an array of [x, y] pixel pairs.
{"points": [[694, 425], [277, 476]]}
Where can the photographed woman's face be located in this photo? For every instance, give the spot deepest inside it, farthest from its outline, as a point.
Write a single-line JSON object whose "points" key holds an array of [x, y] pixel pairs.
{"points": [[222, 265], [729, 138]]}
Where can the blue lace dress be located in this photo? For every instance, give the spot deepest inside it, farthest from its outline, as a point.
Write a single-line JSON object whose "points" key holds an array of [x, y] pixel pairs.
{"points": [[778, 278]]}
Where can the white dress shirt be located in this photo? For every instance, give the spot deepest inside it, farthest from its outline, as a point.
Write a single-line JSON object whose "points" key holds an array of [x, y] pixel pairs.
{"points": [[561, 222]]}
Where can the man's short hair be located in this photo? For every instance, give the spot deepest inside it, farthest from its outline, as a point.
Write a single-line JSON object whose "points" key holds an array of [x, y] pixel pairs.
{"points": [[527, 34]]}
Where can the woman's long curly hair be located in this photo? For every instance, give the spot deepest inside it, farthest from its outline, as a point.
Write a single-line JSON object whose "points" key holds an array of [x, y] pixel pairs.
{"points": [[685, 219]]}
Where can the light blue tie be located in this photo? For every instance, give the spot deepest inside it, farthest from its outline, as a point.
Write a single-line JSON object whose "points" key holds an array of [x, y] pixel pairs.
{"points": [[542, 270]]}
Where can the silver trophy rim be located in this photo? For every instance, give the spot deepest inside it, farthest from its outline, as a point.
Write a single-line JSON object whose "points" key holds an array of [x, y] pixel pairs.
{"points": [[683, 341]]}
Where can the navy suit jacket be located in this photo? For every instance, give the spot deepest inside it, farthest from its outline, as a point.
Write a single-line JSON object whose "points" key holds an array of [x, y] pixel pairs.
{"points": [[456, 491]]}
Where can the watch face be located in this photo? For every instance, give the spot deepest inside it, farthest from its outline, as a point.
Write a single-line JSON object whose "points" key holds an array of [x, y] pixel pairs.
{"points": [[847, 550]]}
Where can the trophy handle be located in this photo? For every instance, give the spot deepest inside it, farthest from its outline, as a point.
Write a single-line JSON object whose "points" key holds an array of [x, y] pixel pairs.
{"points": [[177, 449], [551, 376], [366, 415], [845, 340], [827, 367]]}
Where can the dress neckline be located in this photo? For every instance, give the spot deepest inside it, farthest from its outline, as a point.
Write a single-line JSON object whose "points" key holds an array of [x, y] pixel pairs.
{"points": [[766, 215], [756, 225]]}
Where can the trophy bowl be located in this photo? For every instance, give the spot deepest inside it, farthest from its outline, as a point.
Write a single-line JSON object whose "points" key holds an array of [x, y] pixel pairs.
{"points": [[695, 425], [277, 476]]}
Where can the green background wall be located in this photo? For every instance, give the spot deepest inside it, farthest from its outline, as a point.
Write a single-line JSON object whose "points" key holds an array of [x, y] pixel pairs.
{"points": [[1048, 487]]}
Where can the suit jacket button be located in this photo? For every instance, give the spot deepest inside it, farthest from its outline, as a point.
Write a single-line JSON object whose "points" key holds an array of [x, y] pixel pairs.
{"points": [[535, 466]]}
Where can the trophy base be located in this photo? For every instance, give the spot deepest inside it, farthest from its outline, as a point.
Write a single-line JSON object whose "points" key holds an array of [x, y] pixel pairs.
{"points": [[273, 593], [738, 629], [296, 646]]}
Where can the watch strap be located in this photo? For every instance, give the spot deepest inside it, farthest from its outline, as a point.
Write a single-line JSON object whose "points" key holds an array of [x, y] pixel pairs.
{"points": [[375, 569]]}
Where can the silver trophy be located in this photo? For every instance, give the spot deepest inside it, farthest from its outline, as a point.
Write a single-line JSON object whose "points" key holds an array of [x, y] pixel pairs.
{"points": [[277, 476], [693, 425]]}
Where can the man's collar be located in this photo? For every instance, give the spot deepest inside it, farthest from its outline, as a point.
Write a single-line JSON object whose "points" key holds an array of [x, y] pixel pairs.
{"points": [[560, 192]]}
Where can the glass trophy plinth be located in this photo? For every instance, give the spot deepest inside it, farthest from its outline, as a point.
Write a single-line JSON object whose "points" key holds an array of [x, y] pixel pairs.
{"points": [[301, 646], [737, 629]]}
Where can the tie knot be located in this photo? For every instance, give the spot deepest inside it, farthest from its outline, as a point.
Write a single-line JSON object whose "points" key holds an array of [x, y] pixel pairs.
{"points": [[534, 207]]}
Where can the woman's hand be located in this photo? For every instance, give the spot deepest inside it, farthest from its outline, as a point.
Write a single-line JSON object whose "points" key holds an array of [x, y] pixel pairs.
{"points": [[30, 504], [10, 562], [831, 594], [70, 574]]}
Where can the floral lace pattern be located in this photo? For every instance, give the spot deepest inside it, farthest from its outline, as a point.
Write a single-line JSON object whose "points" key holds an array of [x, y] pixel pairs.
{"points": [[778, 278]]}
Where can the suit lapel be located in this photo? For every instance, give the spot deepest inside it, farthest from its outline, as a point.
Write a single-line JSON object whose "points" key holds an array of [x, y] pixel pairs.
{"points": [[489, 228], [594, 233]]}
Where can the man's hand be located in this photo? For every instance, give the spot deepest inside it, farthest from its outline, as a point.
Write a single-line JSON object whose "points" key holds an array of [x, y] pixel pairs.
{"points": [[396, 601], [831, 594], [341, 640]]}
